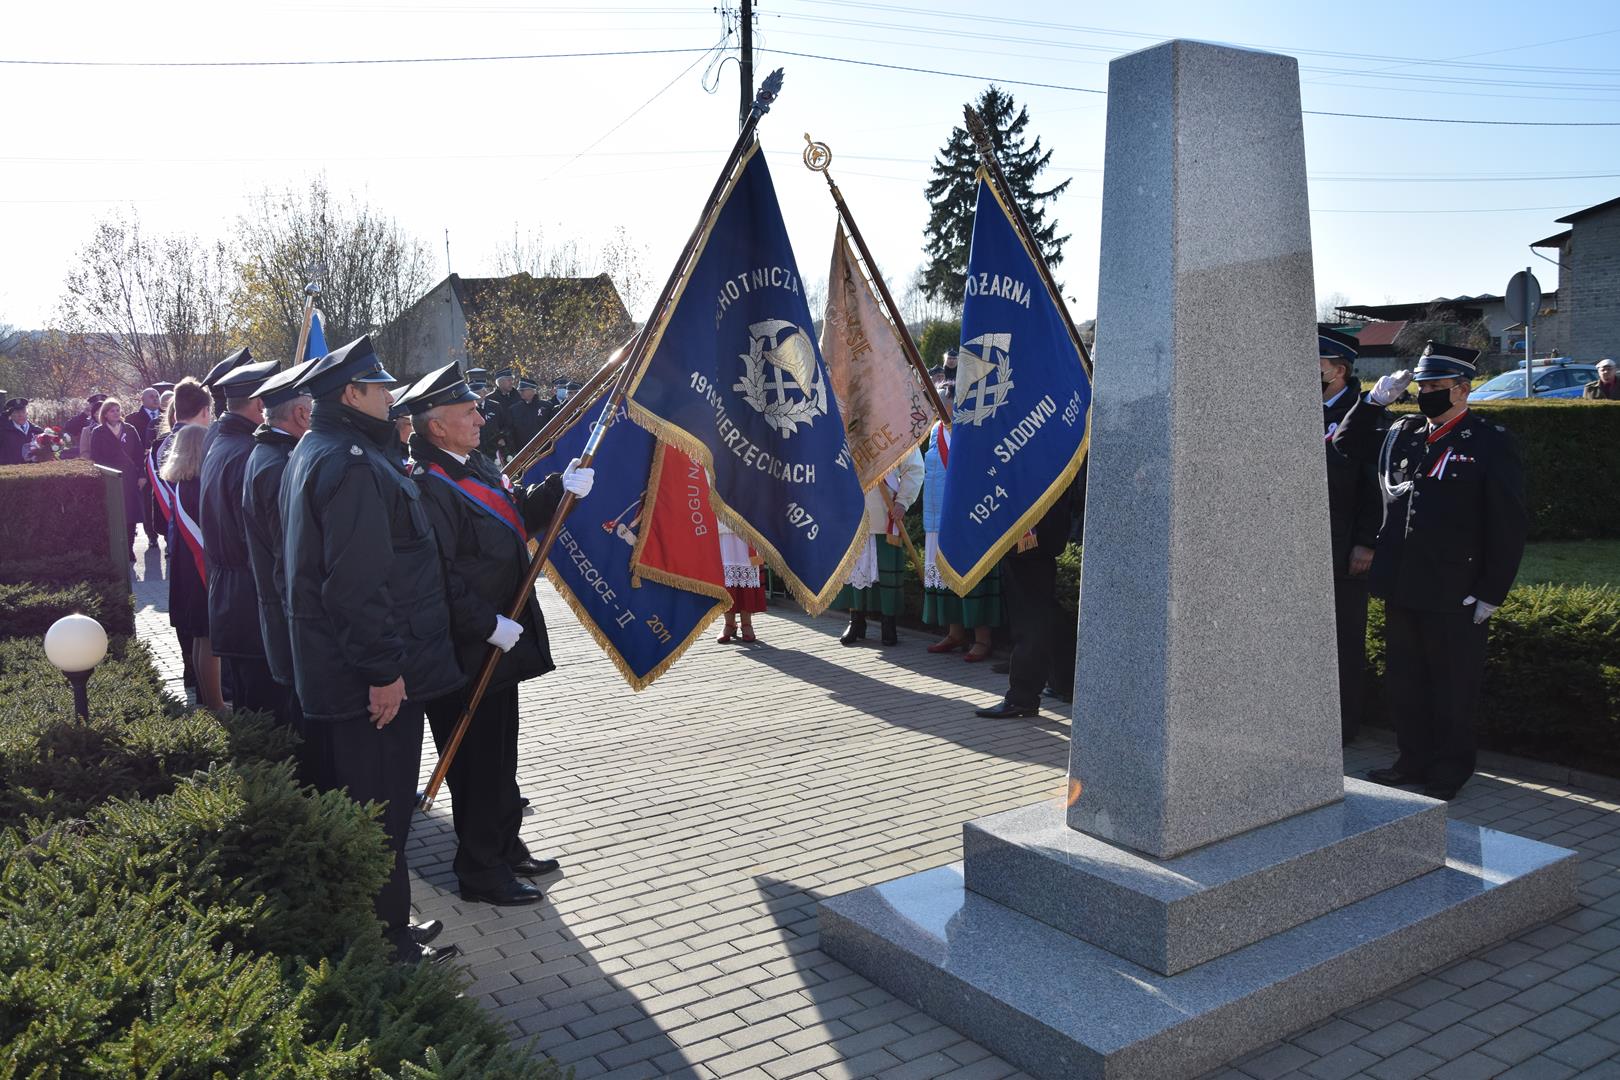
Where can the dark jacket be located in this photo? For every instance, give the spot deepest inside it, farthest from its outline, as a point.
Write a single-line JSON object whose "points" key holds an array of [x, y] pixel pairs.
{"points": [[485, 561], [125, 453], [1355, 506], [524, 420], [1057, 526], [233, 599], [77, 426], [14, 443], [1458, 529], [261, 514], [493, 437], [1596, 391], [365, 593], [146, 424]]}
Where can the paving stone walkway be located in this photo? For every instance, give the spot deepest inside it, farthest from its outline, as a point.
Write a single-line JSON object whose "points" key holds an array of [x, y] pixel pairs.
{"points": [[700, 821]]}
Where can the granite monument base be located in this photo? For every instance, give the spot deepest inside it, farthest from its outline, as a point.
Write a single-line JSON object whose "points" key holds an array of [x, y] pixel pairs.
{"points": [[1058, 1006], [1173, 914]]}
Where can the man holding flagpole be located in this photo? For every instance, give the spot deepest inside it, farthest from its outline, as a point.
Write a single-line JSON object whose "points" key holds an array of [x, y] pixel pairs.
{"points": [[482, 524]]}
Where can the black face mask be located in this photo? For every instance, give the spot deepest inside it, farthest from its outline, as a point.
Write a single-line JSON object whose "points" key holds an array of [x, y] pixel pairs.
{"points": [[1433, 403]]}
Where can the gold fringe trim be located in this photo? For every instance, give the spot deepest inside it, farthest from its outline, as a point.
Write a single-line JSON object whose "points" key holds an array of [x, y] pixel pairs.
{"points": [[637, 683], [814, 602], [963, 583], [652, 573]]}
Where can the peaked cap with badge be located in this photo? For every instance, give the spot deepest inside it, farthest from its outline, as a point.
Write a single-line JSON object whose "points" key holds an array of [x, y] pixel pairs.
{"points": [[246, 380], [356, 362], [1440, 361], [286, 385], [1334, 344], [442, 387]]}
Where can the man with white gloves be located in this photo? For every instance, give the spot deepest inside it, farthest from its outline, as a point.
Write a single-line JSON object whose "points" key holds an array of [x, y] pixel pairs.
{"points": [[1446, 556], [482, 525]]}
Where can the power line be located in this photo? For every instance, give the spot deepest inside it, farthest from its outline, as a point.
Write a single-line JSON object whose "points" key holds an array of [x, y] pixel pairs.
{"points": [[343, 62]]}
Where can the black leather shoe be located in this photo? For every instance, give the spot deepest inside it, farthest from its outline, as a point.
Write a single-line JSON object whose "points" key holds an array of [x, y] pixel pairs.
{"points": [[890, 635], [1008, 711], [426, 930], [855, 631], [1001, 667], [427, 954], [1393, 777], [1441, 791], [534, 867], [508, 894]]}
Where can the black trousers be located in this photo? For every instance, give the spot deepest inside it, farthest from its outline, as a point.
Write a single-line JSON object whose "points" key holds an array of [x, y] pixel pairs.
{"points": [[378, 766], [1350, 624], [484, 801], [1435, 665], [248, 684], [1043, 634]]}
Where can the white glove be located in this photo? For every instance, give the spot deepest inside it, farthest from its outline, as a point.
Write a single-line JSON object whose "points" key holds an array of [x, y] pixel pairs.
{"points": [[1389, 387], [506, 633], [577, 481], [1482, 610]]}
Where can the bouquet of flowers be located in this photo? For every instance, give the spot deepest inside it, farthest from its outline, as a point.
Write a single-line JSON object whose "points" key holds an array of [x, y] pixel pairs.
{"points": [[49, 444]]}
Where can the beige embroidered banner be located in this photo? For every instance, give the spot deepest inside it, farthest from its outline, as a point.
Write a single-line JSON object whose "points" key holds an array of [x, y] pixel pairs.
{"points": [[885, 409]]}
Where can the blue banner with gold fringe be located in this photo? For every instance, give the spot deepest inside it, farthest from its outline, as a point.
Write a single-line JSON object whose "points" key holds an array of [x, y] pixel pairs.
{"points": [[1022, 415], [735, 378]]}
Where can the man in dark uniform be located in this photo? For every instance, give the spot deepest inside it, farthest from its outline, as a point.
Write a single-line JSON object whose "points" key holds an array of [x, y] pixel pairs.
{"points": [[233, 602], [1453, 533], [482, 524], [1355, 510], [239, 358], [506, 391], [17, 433], [366, 610], [526, 416], [492, 436], [1043, 634], [287, 407]]}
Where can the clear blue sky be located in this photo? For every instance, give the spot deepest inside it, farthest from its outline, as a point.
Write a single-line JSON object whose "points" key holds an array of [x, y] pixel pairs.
{"points": [[1400, 211]]}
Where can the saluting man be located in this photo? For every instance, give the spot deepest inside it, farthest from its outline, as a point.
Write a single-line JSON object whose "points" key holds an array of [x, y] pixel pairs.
{"points": [[483, 523], [366, 610], [1453, 533], [287, 408], [233, 602]]}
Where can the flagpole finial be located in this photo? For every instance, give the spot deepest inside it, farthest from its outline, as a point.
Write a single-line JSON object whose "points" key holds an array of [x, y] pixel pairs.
{"points": [[312, 289], [980, 134], [768, 91], [817, 155]]}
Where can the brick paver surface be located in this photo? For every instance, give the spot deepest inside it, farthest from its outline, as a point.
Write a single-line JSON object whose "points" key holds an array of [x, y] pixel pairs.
{"points": [[699, 823]]}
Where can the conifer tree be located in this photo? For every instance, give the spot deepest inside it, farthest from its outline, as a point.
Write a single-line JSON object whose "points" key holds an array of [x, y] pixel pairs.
{"points": [[952, 192]]}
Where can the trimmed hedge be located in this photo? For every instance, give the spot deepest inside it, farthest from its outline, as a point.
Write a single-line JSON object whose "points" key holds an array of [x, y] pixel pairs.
{"points": [[173, 903], [1552, 676], [54, 534], [1563, 442]]}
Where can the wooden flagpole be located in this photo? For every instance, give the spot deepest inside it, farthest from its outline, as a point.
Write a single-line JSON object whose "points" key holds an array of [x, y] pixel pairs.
{"points": [[998, 181], [311, 291], [622, 383], [540, 445]]}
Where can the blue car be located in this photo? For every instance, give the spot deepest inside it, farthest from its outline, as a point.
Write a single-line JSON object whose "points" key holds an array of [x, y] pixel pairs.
{"points": [[1549, 379]]}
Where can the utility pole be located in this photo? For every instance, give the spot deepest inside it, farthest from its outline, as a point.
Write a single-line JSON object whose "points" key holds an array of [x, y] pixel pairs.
{"points": [[746, 63]]}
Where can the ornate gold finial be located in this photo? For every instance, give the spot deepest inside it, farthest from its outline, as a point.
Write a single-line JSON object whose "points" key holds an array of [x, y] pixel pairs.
{"points": [[817, 155]]}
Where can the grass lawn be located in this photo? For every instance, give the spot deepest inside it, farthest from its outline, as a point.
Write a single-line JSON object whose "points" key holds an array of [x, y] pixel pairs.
{"points": [[1571, 562]]}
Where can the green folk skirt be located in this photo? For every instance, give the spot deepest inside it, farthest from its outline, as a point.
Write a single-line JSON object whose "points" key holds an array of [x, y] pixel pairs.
{"points": [[980, 607], [884, 597]]}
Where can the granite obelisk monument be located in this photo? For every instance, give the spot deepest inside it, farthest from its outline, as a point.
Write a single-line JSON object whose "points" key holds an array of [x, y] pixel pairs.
{"points": [[1212, 880]]}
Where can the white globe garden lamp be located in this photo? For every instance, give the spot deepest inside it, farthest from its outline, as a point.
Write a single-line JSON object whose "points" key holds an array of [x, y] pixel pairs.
{"points": [[76, 644]]}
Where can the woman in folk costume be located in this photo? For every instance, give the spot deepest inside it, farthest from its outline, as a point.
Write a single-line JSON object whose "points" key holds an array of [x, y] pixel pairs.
{"points": [[742, 581], [874, 583], [978, 611]]}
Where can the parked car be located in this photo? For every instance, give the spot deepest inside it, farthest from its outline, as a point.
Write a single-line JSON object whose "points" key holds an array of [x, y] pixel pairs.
{"points": [[1555, 378]]}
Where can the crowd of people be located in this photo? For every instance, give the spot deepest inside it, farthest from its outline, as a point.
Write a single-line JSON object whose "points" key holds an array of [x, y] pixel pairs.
{"points": [[340, 557], [342, 549]]}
